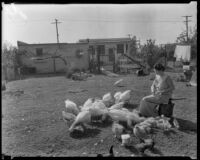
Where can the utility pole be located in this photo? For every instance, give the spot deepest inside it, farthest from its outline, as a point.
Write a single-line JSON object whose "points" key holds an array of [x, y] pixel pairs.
{"points": [[54, 62], [186, 23], [56, 22]]}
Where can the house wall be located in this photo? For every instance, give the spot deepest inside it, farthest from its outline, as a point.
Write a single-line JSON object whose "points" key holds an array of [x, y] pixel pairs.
{"points": [[67, 51], [109, 45]]}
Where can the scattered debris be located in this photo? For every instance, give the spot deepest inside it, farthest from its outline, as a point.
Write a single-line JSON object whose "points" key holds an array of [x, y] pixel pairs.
{"points": [[15, 93], [110, 154], [77, 91], [181, 78], [80, 76], [125, 139], [119, 83], [108, 73]]}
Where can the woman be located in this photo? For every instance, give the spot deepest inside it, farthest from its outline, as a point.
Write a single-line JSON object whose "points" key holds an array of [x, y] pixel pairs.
{"points": [[161, 89]]}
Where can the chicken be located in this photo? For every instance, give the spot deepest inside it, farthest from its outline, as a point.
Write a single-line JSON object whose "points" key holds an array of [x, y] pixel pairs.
{"points": [[125, 116], [141, 131], [68, 117], [81, 118], [125, 96], [117, 129], [117, 96], [108, 99], [117, 106], [99, 104], [88, 104], [98, 111], [163, 124], [71, 107]]}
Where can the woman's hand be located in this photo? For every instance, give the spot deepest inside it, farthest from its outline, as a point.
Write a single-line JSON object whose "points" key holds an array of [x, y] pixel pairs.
{"points": [[159, 92]]}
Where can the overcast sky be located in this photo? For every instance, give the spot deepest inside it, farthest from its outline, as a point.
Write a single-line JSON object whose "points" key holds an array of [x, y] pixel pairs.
{"points": [[32, 23]]}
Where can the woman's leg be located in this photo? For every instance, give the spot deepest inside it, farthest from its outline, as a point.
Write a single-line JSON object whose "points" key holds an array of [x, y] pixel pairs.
{"points": [[148, 109]]}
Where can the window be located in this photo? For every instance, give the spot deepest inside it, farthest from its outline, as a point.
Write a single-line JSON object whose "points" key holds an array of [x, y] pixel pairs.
{"points": [[39, 52], [120, 48], [126, 47], [101, 49]]}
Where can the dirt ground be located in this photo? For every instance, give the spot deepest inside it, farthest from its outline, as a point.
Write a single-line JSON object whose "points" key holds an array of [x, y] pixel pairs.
{"points": [[32, 123]]}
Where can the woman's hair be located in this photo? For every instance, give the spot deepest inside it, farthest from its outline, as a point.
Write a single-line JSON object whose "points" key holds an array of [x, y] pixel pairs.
{"points": [[159, 67]]}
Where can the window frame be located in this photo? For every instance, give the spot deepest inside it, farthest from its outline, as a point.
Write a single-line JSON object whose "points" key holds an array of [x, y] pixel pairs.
{"points": [[120, 49], [39, 52]]}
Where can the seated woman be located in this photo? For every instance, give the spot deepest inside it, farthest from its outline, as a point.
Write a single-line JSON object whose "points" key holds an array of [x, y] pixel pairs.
{"points": [[161, 89]]}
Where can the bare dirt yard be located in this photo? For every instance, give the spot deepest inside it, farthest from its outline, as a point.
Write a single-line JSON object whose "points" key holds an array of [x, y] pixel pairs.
{"points": [[32, 123]]}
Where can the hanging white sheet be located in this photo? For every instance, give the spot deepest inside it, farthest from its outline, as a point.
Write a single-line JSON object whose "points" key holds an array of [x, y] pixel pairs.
{"points": [[182, 52]]}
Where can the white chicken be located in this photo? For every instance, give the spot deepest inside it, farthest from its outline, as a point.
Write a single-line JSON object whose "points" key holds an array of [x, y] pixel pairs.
{"points": [[125, 96], [69, 118], [71, 107], [117, 106], [108, 100], [82, 118], [163, 123], [117, 96], [125, 116], [125, 109], [98, 110], [117, 129], [141, 131], [87, 105]]}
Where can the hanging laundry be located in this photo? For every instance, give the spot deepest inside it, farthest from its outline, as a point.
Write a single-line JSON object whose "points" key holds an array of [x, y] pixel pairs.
{"points": [[182, 53]]}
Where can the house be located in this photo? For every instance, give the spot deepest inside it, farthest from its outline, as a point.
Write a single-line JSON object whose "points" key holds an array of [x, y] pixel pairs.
{"points": [[40, 56], [109, 49], [76, 55]]}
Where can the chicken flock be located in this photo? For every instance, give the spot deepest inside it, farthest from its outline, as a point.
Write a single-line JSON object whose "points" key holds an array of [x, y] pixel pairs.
{"points": [[112, 107]]}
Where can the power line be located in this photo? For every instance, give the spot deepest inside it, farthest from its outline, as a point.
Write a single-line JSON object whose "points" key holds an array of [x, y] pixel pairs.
{"points": [[100, 20]]}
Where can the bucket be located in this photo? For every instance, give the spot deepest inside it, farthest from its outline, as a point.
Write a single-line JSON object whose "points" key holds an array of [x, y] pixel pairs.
{"points": [[125, 139]]}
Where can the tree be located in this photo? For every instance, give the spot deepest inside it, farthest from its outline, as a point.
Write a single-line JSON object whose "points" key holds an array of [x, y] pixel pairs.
{"points": [[133, 47], [9, 57], [9, 53], [151, 52]]}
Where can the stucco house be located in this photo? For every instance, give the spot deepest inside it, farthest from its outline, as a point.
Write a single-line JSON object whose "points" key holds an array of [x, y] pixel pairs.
{"points": [[38, 56], [77, 55], [109, 49]]}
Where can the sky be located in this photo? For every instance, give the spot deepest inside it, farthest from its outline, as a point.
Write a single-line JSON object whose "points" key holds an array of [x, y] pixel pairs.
{"points": [[34, 23]]}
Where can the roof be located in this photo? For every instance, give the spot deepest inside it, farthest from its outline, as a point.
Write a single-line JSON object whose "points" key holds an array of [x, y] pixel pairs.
{"points": [[105, 40], [81, 41], [20, 43]]}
